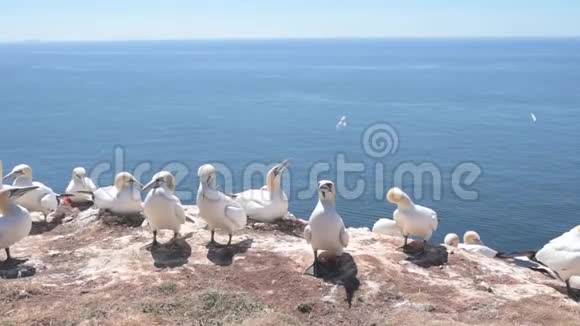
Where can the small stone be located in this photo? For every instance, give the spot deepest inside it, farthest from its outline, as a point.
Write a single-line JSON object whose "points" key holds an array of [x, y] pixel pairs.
{"points": [[305, 308]]}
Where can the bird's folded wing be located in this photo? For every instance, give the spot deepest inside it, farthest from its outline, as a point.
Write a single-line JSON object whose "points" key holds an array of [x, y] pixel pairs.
{"points": [[236, 215], [344, 237], [49, 201], [180, 213], [307, 234]]}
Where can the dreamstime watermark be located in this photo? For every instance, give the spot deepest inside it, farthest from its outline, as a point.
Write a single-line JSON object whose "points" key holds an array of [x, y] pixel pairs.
{"points": [[353, 179]]}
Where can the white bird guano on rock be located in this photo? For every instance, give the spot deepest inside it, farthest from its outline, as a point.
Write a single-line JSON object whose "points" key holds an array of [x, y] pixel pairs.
{"points": [[80, 183], [269, 203], [162, 208], [42, 199], [15, 221], [325, 229], [413, 220], [122, 198], [562, 255], [221, 212]]}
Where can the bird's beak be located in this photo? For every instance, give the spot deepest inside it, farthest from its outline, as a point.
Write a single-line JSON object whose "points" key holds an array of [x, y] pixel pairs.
{"points": [[280, 168], [21, 191], [11, 175], [83, 182], [137, 183], [153, 184]]}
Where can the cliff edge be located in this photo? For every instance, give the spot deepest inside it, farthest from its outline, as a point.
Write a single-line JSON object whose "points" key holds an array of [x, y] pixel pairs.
{"points": [[88, 268]]}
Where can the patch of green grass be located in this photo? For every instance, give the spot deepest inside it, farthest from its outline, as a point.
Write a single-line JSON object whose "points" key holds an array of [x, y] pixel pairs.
{"points": [[167, 288], [7, 323], [208, 307], [230, 306]]}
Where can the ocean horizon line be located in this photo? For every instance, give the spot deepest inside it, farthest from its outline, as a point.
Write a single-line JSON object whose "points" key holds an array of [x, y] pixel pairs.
{"points": [[298, 39]]}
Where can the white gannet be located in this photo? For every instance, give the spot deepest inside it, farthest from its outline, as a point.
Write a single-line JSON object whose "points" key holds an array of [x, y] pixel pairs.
{"points": [[562, 255], [472, 243], [15, 221], [533, 116], [269, 203], [341, 123], [451, 240], [325, 229], [388, 227], [162, 208], [42, 199], [414, 220], [80, 182], [122, 198], [217, 209]]}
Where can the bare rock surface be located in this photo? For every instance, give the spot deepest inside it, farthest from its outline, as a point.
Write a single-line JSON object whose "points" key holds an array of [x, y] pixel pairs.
{"points": [[93, 269]]}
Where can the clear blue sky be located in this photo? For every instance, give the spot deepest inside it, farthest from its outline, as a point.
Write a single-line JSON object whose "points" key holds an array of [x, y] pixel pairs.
{"points": [[181, 19]]}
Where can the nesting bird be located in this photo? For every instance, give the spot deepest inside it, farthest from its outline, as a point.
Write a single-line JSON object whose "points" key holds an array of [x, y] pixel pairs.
{"points": [[78, 187], [451, 240], [325, 229], [122, 198], [413, 220], [15, 221], [42, 199], [162, 208], [269, 203], [221, 212], [562, 255], [471, 243]]}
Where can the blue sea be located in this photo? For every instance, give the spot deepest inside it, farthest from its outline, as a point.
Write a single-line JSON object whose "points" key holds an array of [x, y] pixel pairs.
{"points": [[449, 104]]}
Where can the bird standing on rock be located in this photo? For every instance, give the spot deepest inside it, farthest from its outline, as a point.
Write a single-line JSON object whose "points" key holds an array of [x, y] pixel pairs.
{"points": [[562, 255], [15, 221], [162, 208], [413, 220], [217, 209], [325, 229]]}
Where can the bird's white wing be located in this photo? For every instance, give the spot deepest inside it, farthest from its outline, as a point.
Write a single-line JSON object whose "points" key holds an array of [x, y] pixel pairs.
{"points": [[234, 212], [71, 187], [90, 184], [180, 213], [236, 215], [105, 197], [430, 214], [307, 234], [478, 249], [49, 201], [387, 227], [344, 237]]}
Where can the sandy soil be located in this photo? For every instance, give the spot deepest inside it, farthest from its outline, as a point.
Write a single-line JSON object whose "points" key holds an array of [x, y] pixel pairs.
{"points": [[94, 269]]}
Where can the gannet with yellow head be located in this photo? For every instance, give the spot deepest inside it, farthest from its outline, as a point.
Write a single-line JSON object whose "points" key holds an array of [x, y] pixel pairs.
{"points": [[15, 221], [162, 208], [269, 203], [78, 184], [472, 243], [325, 229], [122, 198], [413, 220], [218, 210], [42, 199]]}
